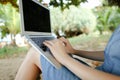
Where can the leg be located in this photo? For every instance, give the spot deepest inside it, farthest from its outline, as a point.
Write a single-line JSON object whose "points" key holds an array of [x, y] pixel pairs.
{"points": [[30, 68]]}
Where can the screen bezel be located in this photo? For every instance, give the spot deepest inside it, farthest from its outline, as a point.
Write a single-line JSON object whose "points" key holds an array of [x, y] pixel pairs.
{"points": [[22, 20]]}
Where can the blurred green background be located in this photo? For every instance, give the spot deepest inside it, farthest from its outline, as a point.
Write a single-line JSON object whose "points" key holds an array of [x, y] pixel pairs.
{"points": [[68, 18]]}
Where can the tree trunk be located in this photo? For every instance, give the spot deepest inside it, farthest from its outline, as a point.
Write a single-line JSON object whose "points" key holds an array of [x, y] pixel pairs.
{"points": [[13, 42]]}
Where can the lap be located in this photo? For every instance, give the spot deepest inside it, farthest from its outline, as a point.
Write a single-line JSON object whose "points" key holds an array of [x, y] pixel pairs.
{"points": [[49, 72]]}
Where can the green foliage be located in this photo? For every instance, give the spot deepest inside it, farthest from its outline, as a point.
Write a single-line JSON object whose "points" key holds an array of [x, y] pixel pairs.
{"points": [[73, 21], [114, 2], [4, 31], [55, 3], [12, 20], [13, 2], [65, 3], [108, 18], [56, 20]]}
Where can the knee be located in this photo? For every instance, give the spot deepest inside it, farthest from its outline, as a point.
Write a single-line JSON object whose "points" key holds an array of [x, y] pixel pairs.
{"points": [[32, 53], [34, 57]]}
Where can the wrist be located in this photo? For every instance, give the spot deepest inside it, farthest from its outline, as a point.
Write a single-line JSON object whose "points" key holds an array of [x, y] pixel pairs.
{"points": [[65, 59], [74, 51]]}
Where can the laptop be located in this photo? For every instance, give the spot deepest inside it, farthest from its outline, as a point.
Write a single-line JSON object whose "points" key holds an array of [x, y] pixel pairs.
{"points": [[36, 27]]}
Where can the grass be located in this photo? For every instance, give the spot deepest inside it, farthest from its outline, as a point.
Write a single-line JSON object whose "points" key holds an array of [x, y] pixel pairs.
{"points": [[12, 51], [93, 40]]}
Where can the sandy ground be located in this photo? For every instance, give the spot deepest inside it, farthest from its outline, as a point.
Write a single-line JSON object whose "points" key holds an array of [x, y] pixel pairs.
{"points": [[9, 67]]}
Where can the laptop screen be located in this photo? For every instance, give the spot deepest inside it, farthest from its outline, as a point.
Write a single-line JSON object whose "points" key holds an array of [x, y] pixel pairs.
{"points": [[36, 17]]}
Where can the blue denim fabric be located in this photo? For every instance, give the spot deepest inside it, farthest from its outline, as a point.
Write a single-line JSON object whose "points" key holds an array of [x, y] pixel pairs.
{"points": [[112, 54], [51, 73]]}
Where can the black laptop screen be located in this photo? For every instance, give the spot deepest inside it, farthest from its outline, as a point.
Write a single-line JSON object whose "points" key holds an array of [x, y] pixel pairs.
{"points": [[36, 17]]}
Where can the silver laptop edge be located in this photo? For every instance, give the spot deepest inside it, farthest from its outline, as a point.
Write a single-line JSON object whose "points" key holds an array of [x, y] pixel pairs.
{"points": [[49, 57]]}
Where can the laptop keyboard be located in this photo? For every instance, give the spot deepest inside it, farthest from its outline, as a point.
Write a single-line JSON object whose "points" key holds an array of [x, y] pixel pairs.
{"points": [[43, 47], [39, 41]]}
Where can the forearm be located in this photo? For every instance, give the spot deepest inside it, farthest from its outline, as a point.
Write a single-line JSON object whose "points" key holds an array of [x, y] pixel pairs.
{"points": [[85, 72], [94, 55]]}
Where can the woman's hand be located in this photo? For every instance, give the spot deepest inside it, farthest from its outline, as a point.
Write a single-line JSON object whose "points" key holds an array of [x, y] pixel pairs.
{"points": [[57, 47], [68, 47]]}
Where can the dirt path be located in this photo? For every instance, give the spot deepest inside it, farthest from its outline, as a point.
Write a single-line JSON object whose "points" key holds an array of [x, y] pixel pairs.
{"points": [[9, 67]]}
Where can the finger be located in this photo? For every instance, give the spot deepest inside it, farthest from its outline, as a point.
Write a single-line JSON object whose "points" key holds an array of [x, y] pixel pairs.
{"points": [[60, 42], [63, 40], [55, 41], [48, 44]]}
